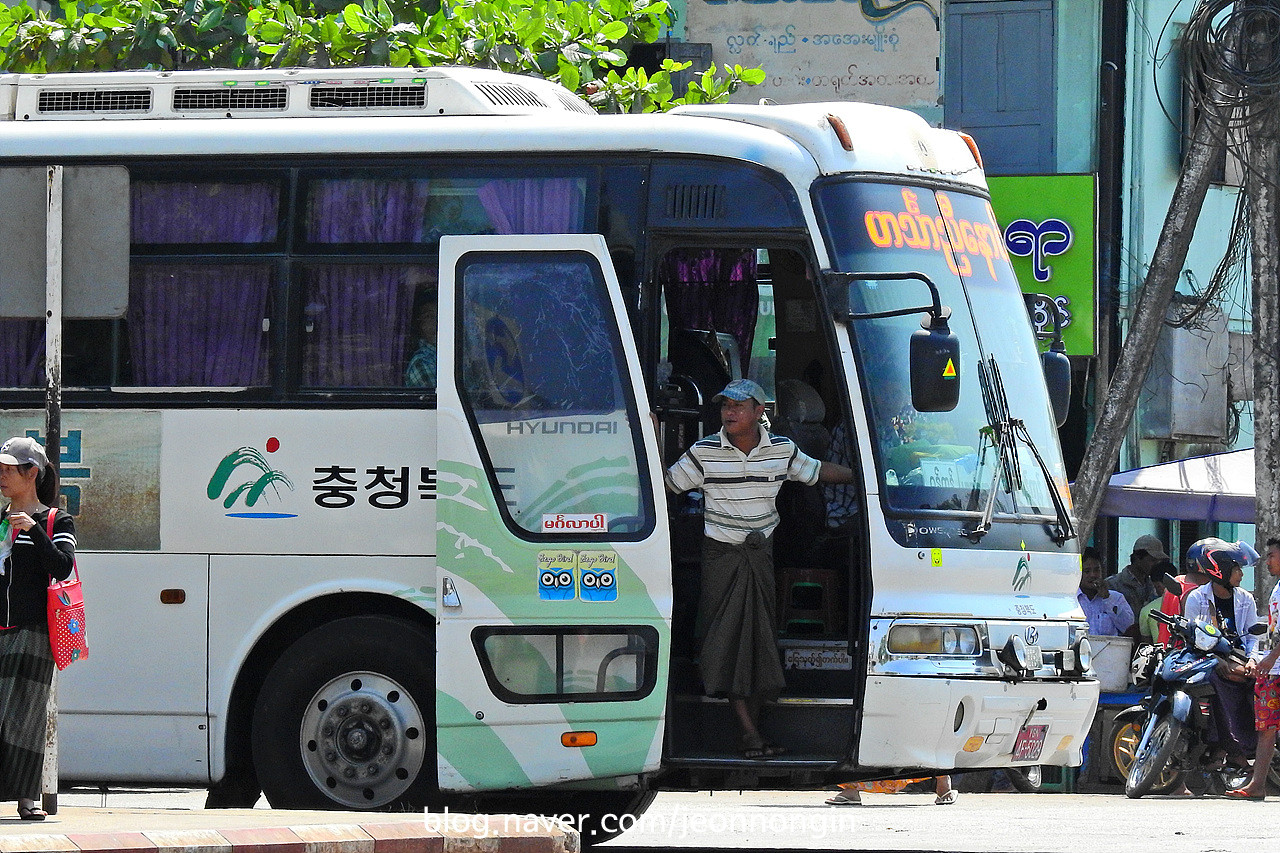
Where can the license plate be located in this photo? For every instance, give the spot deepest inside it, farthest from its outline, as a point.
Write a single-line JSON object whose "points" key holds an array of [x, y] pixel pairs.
{"points": [[1030, 743]]}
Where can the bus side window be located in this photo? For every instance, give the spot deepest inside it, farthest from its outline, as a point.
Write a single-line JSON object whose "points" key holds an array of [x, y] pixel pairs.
{"points": [[421, 369], [21, 353]]}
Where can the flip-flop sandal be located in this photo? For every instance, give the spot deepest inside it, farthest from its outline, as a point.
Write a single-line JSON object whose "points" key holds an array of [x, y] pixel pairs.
{"points": [[1239, 793], [764, 749], [31, 813]]}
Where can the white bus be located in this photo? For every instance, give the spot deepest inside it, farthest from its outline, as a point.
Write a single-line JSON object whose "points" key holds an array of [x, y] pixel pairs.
{"points": [[357, 375]]}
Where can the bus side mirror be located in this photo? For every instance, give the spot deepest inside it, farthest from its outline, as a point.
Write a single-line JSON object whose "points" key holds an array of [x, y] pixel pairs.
{"points": [[1057, 377], [935, 360], [1054, 361]]}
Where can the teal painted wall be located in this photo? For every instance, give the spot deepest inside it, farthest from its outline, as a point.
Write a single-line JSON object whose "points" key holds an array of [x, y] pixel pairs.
{"points": [[1077, 26]]}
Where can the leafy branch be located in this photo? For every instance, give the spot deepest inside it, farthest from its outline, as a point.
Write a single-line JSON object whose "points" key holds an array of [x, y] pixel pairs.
{"points": [[581, 45]]}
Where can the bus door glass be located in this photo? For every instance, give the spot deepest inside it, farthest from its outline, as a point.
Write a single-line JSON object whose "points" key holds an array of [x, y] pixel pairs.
{"points": [[554, 582]]}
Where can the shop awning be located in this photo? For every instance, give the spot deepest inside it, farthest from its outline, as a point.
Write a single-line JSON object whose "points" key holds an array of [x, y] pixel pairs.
{"points": [[1218, 487]]}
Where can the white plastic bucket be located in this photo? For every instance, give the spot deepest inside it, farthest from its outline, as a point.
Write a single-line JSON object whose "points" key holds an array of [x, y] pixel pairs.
{"points": [[1111, 657]]}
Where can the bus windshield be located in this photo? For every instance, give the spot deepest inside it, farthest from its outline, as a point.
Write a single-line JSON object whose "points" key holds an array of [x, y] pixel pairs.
{"points": [[943, 461]]}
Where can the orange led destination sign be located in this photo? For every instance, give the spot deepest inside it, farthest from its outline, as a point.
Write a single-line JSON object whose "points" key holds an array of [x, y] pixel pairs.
{"points": [[961, 241]]}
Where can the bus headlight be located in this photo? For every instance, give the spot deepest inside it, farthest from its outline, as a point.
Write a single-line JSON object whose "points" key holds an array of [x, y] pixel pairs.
{"points": [[1014, 655], [1084, 655], [951, 640]]}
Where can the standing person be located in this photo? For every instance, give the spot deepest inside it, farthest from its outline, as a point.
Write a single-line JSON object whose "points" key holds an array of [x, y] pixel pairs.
{"points": [[739, 471], [1134, 580], [1174, 601], [26, 661], [1108, 612], [1232, 610], [1148, 627], [1266, 690]]}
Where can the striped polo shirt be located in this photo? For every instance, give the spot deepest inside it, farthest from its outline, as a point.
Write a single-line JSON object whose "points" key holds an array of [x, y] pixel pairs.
{"points": [[740, 489]]}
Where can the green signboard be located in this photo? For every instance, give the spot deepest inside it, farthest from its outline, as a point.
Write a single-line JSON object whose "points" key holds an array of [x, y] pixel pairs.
{"points": [[1050, 229]]}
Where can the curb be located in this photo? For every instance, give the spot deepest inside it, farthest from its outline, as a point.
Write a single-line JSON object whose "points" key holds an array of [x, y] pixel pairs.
{"points": [[475, 834]]}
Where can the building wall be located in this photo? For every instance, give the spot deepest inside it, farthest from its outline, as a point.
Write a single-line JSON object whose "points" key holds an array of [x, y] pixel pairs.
{"points": [[824, 50], [1153, 151]]}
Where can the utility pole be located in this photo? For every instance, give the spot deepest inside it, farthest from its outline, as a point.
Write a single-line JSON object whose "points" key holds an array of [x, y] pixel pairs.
{"points": [[1262, 160], [53, 431], [1148, 318]]}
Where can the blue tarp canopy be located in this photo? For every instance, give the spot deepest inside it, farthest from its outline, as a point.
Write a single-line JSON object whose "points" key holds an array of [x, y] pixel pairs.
{"points": [[1218, 487]]}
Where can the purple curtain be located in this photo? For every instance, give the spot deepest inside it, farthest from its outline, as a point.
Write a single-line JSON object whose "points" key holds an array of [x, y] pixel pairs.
{"points": [[357, 324], [197, 325], [174, 212], [21, 353], [367, 210], [713, 289], [534, 205]]}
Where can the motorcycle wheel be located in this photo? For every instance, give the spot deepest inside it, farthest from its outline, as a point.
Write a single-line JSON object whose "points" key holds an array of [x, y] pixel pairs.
{"points": [[1152, 756], [1124, 743]]}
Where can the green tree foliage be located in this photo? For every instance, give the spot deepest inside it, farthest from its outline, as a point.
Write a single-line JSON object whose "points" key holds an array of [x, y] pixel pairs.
{"points": [[582, 45]]}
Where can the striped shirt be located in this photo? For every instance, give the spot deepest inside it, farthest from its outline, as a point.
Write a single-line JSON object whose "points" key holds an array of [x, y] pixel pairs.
{"points": [[740, 489]]}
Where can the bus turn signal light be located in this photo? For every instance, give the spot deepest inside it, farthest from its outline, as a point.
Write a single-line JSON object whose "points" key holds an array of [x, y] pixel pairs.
{"points": [[842, 132], [572, 739], [973, 147]]}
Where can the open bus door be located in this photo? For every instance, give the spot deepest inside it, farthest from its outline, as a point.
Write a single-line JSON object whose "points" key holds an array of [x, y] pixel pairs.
{"points": [[554, 581]]}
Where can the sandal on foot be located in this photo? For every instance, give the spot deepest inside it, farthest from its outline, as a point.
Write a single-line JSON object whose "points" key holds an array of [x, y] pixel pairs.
{"points": [[763, 749], [845, 798], [1242, 794], [947, 799], [31, 813]]}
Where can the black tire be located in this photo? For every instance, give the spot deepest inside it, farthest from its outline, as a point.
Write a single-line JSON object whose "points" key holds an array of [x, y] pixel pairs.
{"points": [[611, 814], [346, 718], [1124, 743], [1028, 779], [1152, 757], [598, 816]]}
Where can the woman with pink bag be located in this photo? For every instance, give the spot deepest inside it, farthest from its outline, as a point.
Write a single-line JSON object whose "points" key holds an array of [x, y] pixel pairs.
{"points": [[26, 661]]}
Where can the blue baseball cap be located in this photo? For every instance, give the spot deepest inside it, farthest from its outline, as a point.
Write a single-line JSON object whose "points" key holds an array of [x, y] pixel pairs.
{"points": [[741, 389]]}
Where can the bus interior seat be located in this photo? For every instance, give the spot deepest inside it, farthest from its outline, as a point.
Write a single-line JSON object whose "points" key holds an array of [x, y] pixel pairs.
{"points": [[802, 509], [711, 360], [800, 413]]}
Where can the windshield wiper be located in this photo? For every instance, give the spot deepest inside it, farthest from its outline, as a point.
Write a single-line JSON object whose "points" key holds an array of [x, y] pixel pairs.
{"points": [[1004, 432]]}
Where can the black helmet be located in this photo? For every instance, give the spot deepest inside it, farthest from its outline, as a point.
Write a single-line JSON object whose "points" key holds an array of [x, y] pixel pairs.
{"points": [[1219, 559]]}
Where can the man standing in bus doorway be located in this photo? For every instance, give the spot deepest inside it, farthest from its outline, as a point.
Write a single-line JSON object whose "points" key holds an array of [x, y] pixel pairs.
{"points": [[740, 470]]}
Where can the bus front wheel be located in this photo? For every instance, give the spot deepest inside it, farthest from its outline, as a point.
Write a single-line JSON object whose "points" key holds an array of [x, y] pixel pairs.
{"points": [[345, 718]]}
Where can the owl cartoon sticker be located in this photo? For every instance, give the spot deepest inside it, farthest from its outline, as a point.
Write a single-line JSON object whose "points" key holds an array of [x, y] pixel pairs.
{"points": [[555, 575], [598, 575]]}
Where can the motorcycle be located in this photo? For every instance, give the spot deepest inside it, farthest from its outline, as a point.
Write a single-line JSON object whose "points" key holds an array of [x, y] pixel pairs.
{"points": [[1174, 716]]}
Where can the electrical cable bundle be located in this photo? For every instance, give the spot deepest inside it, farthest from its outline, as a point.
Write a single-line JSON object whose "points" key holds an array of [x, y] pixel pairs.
{"points": [[1232, 68]]}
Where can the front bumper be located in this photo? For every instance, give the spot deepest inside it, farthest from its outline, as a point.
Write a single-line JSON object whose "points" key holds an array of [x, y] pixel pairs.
{"points": [[922, 721]]}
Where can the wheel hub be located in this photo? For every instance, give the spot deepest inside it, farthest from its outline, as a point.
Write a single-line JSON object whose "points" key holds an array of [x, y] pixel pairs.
{"points": [[362, 740]]}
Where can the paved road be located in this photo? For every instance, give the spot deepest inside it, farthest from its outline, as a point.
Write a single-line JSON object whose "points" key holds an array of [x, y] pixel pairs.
{"points": [[978, 823]]}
